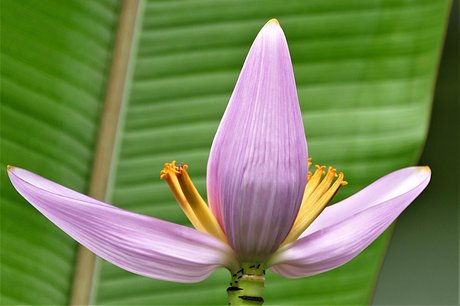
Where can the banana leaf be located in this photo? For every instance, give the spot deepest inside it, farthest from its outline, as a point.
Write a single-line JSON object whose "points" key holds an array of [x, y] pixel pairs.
{"points": [[365, 72]]}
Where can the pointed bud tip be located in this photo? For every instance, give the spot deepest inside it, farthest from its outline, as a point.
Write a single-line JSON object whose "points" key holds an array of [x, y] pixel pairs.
{"points": [[10, 168], [273, 21]]}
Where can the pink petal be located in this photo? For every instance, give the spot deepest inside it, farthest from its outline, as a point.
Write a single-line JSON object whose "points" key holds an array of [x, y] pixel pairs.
{"points": [[257, 167], [137, 243], [343, 230]]}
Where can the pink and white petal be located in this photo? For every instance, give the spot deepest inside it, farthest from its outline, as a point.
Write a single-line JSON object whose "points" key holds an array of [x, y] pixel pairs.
{"points": [[134, 242], [342, 237], [257, 168]]}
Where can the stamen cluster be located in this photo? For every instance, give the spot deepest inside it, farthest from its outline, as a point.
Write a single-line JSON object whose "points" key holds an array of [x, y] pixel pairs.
{"points": [[319, 191]]}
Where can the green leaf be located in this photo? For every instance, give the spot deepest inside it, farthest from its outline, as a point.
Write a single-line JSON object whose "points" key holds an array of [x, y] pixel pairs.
{"points": [[365, 72], [55, 57]]}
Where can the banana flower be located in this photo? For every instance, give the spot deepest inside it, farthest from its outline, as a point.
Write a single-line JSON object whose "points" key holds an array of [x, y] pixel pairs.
{"points": [[266, 210]]}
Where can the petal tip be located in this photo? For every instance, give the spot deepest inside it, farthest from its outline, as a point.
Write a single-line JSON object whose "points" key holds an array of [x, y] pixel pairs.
{"points": [[10, 168], [426, 168], [273, 22]]}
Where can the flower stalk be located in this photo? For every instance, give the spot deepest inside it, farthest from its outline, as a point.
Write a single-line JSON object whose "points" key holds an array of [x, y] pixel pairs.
{"points": [[247, 285]]}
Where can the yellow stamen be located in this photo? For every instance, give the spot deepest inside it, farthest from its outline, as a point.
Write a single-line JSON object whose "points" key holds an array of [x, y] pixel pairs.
{"points": [[318, 193], [309, 172], [169, 174], [189, 199], [313, 182]]}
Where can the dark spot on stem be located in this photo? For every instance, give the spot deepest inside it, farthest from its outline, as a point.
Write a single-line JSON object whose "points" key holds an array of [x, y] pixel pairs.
{"points": [[234, 288], [251, 298]]}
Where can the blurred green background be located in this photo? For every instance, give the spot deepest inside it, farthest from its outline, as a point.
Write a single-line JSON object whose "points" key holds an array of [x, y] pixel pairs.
{"points": [[366, 73], [421, 265]]}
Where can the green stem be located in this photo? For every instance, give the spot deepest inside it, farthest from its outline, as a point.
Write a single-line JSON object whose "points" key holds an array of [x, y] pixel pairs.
{"points": [[247, 285]]}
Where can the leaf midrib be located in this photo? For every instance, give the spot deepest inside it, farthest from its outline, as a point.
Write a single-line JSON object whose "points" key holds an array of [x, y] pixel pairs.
{"points": [[82, 286]]}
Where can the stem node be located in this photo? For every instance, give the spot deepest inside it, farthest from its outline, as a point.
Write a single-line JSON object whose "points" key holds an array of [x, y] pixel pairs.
{"points": [[247, 285]]}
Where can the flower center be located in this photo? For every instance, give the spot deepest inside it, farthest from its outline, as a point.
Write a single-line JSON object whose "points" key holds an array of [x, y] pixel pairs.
{"points": [[190, 200], [319, 191]]}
